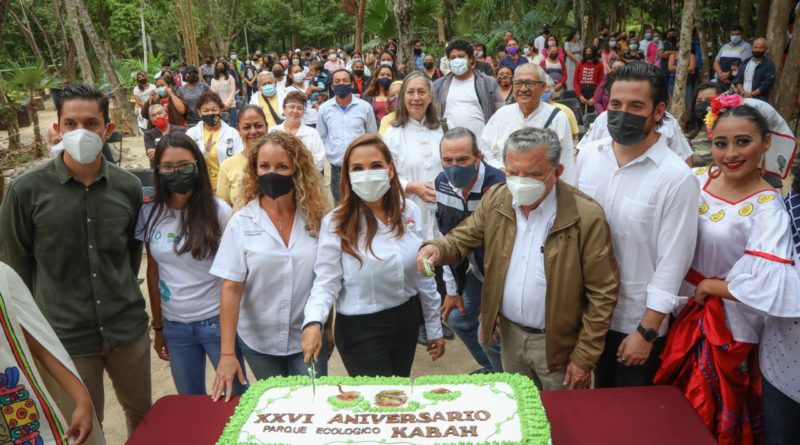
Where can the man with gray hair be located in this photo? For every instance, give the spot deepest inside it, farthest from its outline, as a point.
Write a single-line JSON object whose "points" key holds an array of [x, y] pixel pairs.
{"points": [[528, 111], [552, 298], [268, 98], [161, 126]]}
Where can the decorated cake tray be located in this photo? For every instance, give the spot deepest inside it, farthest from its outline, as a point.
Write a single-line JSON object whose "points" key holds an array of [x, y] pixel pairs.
{"points": [[432, 410]]}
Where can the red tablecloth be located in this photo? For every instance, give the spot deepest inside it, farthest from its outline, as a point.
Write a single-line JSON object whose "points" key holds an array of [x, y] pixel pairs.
{"points": [[652, 416]]}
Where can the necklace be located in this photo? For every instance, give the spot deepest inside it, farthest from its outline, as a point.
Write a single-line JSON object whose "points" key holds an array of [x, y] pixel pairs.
{"points": [[275, 220]]}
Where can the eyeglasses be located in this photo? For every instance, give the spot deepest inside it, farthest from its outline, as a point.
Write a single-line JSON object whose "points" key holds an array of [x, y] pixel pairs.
{"points": [[529, 84], [170, 169]]}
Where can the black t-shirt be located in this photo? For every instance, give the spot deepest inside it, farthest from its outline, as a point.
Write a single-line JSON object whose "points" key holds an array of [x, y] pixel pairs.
{"points": [[153, 135], [667, 46]]}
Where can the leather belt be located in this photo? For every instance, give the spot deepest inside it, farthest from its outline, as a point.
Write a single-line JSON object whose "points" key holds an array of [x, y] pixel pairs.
{"points": [[527, 329]]}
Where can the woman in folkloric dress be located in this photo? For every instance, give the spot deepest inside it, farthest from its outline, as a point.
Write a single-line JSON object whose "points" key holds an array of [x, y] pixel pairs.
{"points": [[743, 260]]}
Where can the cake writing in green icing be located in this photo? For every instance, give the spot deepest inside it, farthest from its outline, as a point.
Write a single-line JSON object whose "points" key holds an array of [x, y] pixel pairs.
{"points": [[533, 424]]}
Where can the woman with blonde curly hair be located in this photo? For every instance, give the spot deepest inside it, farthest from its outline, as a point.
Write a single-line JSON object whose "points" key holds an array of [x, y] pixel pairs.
{"points": [[266, 260]]}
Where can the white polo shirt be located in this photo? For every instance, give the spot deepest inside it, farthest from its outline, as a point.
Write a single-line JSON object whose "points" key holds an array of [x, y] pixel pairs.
{"points": [[277, 278], [651, 208]]}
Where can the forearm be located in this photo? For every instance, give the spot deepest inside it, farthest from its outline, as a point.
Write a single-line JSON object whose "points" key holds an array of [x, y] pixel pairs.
{"points": [[153, 291], [652, 319], [230, 300], [180, 107], [69, 381]]}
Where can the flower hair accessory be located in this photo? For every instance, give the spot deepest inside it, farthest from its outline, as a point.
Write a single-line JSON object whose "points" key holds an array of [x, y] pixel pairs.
{"points": [[719, 104]]}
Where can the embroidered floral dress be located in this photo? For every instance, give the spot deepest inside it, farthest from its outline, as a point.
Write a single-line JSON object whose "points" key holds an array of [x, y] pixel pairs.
{"points": [[710, 352]]}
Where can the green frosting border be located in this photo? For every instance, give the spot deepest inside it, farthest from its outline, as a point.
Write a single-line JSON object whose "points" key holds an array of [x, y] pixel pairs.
{"points": [[534, 425], [445, 397]]}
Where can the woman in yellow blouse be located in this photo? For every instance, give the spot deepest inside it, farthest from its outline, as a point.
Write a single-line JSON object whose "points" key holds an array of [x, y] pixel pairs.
{"points": [[252, 126]]}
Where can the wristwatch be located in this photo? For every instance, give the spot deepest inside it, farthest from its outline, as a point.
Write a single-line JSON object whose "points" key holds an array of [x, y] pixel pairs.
{"points": [[650, 335]]}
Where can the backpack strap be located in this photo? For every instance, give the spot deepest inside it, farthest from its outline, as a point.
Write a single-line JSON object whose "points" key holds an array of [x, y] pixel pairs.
{"points": [[551, 117]]}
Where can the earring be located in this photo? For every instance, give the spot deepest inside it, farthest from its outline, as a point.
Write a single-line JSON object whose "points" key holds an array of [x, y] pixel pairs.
{"points": [[711, 171]]}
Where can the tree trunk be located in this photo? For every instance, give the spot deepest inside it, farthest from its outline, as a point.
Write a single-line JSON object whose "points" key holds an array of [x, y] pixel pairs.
{"points": [[42, 30], [685, 53], [360, 11], [787, 85], [68, 48], [10, 120], [705, 47], [449, 9], [28, 34], [119, 95], [184, 27], [404, 17], [77, 38], [5, 6], [193, 58], [776, 32], [745, 16], [763, 17], [33, 114], [578, 5]]}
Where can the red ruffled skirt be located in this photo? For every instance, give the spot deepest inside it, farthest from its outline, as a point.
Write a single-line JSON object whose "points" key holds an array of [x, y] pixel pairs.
{"points": [[717, 374]]}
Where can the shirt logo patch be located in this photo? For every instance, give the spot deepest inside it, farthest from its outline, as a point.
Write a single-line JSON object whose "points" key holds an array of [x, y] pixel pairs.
{"points": [[311, 233], [411, 224]]}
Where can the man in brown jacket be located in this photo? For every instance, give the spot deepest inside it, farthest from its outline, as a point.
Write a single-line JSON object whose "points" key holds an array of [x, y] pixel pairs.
{"points": [[551, 280]]}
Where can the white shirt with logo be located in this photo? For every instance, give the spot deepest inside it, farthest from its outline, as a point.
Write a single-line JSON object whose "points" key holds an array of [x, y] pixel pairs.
{"points": [[189, 293]]}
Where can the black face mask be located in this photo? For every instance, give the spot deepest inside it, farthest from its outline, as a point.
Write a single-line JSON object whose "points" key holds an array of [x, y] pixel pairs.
{"points": [[178, 182], [142, 81], [626, 128], [417, 51], [192, 78], [211, 119], [358, 72], [275, 185], [588, 57], [553, 54], [278, 73], [428, 65], [701, 109], [758, 54]]}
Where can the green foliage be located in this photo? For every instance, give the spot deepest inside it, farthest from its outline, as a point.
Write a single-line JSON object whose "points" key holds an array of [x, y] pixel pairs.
{"points": [[29, 78], [127, 68], [380, 23]]}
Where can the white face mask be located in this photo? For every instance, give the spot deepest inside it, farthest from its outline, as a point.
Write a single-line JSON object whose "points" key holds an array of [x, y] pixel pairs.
{"points": [[458, 66], [370, 185], [82, 145], [298, 77], [525, 191]]}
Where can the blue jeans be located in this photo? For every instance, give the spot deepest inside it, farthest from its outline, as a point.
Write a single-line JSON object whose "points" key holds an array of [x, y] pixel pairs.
{"points": [[265, 365], [781, 415], [336, 179], [188, 345], [466, 326]]}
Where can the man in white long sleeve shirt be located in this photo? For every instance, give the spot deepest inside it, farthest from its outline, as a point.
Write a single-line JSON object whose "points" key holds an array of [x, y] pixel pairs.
{"points": [[650, 200], [528, 111]]}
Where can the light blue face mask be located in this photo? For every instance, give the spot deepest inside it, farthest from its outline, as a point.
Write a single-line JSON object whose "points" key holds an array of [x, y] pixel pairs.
{"points": [[161, 91], [546, 96], [736, 39], [268, 90]]}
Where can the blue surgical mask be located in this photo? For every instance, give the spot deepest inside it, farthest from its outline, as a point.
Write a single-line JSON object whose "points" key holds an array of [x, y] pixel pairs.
{"points": [[460, 176], [736, 39], [546, 96], [161, 91], [647, 36], [268, 90]]}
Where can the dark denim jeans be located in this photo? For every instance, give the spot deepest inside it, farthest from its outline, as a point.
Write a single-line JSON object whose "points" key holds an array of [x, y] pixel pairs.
{"points": [[781, 416], [466, 327]]}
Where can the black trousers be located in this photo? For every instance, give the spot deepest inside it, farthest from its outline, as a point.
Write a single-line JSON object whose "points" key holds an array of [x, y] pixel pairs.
{"points": [[612, 374], [379, 344]]}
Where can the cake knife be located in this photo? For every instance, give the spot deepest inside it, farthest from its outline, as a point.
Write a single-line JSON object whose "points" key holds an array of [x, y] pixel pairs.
{"points": [[312, 371]]}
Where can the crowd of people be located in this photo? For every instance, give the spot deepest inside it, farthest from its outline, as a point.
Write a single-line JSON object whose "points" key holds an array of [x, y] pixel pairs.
{"points": [[465, 199]]}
